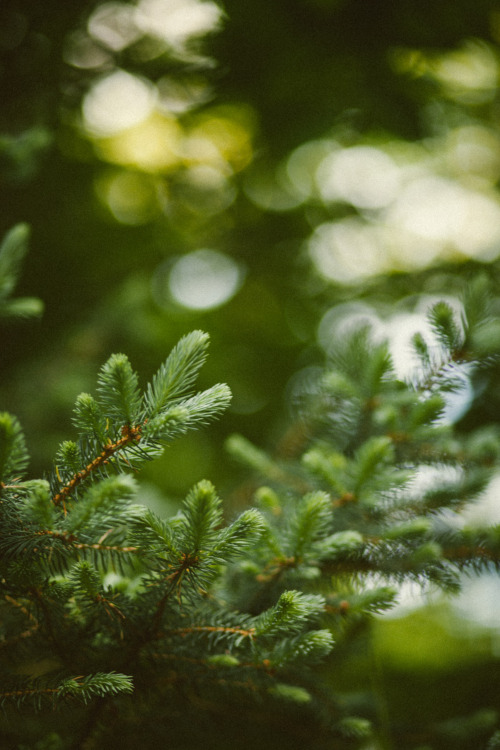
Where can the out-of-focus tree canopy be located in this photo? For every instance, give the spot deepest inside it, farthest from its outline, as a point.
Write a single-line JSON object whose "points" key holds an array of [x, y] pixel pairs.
{"points": [[266, 171]]}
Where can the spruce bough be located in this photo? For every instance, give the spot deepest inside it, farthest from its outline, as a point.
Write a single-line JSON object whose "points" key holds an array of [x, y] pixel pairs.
{"points": [[95, 586], [120, 628], [99, 593]]}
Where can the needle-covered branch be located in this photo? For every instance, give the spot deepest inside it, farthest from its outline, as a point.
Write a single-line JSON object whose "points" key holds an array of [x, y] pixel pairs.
{"points": [[113, 614], [97, 585]]}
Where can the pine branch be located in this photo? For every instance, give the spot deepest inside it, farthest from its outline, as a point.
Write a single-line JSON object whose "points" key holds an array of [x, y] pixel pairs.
{"points": [[130, 435], [12, 251], [13, 452], [121, 428], [195, 607], [82, 689], [212, 629], [178, 373]]}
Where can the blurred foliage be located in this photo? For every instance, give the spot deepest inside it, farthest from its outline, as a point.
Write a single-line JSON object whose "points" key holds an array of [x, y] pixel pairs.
{"points": [[316, 149], [269, 172]]}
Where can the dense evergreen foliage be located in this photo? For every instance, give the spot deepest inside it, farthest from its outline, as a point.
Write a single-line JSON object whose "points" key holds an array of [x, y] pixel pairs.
{"points": [[123, 628]]}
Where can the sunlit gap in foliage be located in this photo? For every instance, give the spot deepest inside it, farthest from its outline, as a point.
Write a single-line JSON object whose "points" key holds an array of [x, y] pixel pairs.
{"points": [[156, 24], [116, 102], [202, 280], [187, 167], [468, 75], [377, 205], [165, 158], [436, 202]]}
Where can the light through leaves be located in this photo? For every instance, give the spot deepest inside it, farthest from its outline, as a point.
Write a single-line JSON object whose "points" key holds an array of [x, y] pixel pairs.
{"points": [[116, 102], [176, 21], [364, 176], [427, 205], [202, 280]]}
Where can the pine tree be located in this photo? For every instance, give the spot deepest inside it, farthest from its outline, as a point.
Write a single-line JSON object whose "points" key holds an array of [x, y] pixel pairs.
{"points": [[121, 628]]}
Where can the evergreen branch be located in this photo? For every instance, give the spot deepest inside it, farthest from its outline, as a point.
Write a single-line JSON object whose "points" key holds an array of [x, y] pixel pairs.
{"points": [[375, 454], [130, 435], [71, 541], [289, 614], [246, 633], [306, 648], [178, 373], [54, 549], [328, 466], [83, 689], [21, 696], [442, 320], [12, 251], [13, 452], [175, 421], [196, 570], [365, 601], [118, 391], [24, 544], [243, 532], [341, 545], [311, 520], [473, 555], [421, 561], [188, 414], [87, 587], [153, 534], [179, 594], [364, 363], [100, 504], [138, 429], [89, 418], [201, 514]]}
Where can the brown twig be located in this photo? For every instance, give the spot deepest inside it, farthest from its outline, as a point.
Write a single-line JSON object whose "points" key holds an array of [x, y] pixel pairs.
{"points": [[129, 435]]}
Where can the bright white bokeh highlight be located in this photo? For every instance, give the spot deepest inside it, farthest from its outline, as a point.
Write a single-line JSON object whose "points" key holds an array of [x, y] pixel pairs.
{"points": [[204, 279], [443, 213], [348, 250], [118, 25], [113, 25], [362, 175], [176, 21], [408, 216], [116, 102]]}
